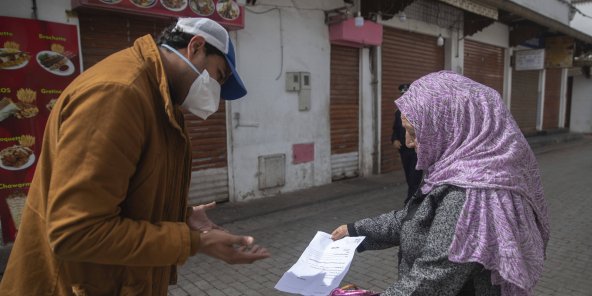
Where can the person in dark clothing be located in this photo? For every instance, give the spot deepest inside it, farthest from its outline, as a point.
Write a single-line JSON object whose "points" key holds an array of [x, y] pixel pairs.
{"points": [[408, 155]]}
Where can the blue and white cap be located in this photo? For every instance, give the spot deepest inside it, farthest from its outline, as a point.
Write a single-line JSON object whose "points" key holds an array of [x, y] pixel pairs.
{"points": [[215, 35]]}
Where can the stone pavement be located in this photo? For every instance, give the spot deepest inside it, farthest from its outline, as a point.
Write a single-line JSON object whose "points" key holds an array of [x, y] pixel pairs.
{"points": [[286, 223]]}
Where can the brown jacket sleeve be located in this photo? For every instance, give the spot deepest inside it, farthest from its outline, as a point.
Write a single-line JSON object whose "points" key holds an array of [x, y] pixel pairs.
{"points": [[101, 135]]}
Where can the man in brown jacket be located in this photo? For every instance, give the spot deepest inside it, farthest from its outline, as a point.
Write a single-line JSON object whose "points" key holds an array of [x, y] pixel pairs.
{"points": [[106, 212]]}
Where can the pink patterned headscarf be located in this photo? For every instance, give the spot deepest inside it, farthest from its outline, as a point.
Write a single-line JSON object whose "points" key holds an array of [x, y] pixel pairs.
{"points": [[467, 137]]}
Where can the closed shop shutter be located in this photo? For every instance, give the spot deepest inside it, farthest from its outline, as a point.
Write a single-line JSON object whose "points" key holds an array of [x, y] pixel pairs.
{"points": [[525, 86], [405, 58], [104, 33], [552, 98], [485, 64], [344, 112]]}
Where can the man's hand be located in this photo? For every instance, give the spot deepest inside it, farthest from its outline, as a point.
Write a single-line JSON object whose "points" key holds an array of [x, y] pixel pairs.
{"points": [[339, 233], [397, 144], [232, 249], [199, 221]]}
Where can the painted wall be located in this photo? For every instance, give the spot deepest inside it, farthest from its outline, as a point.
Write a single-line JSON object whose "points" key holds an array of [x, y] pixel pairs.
{"points": [[47, 10], [496, 34], [367, 105], [580, 22], [554, 9], [267, 49], [581, 105]]}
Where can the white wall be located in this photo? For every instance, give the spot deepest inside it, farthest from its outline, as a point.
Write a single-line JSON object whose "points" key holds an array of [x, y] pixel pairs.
{"points": [[274, 112], [581, 105], [47, 10], [554, 9], [367, 103], [496, 34], [580, 22]]}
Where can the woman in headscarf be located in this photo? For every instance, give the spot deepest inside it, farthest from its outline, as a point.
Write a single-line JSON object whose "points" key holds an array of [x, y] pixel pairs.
{"points": [[479, 223]]}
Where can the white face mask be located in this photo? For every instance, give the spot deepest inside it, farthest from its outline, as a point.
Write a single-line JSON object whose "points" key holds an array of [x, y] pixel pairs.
{"points": [[203, 98]]}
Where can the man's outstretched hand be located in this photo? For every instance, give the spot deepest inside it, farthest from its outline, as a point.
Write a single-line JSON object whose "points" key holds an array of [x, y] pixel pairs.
{"points": [[230, 248], [198, 219]]}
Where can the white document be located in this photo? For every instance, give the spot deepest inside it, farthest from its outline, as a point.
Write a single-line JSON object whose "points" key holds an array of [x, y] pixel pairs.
{"points": [[321, 267]]}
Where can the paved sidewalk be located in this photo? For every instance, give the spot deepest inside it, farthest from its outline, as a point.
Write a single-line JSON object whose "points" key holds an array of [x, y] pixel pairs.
{"points": [[286, 223]]}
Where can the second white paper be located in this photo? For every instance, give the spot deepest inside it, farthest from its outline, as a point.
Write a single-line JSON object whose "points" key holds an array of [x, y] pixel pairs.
{"points": [[321, 267]]}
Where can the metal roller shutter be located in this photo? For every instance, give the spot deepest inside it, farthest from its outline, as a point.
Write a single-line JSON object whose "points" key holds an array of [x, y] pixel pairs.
{"points": [[525, 86], [552, 98], [485, 64], [344, 112], [104, 33], [405, 58]]}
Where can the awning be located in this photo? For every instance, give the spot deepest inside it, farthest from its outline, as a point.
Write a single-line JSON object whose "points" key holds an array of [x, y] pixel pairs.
{"points": [[473, 7], [538, 18]]}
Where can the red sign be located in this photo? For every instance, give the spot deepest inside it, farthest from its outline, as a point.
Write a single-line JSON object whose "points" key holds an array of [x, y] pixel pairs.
{"points": [[38, 60], [226, 12]]}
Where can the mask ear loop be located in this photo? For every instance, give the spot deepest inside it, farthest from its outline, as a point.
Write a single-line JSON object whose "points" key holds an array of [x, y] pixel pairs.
{"points": [[182, 57]]}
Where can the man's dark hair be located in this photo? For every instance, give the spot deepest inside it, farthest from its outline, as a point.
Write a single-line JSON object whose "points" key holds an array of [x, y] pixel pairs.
{"points": [[176, 39]]}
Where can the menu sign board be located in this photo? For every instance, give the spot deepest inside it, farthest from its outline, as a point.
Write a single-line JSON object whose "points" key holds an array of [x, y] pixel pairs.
{"points": [[226, 12], [38, 60]]}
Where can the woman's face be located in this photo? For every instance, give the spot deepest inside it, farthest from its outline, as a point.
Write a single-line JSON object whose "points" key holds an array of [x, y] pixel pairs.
{"points": [[410, 140]]}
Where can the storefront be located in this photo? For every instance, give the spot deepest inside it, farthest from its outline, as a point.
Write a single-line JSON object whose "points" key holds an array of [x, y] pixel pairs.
{"points": [[406, 56], [525, 89], [484, 63], [344, 112]]}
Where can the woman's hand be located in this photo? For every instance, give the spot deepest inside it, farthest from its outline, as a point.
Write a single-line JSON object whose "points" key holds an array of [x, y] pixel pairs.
{"points": [[339, 232]]}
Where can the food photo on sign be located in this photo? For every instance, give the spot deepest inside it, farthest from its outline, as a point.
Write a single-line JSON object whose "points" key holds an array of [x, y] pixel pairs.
{"points": [[174, 5], [228, 9], [11, 57], [19, 156], [202, 7], [57, 60], [23, 107]]}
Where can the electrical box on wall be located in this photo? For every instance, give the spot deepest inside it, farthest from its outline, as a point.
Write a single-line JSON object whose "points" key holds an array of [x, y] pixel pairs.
{"points": [[292, 81], [305, 91], [300, 82]]}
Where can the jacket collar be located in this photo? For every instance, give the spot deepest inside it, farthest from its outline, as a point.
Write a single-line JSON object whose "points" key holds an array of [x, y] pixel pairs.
{"points": [[147, 49]]}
